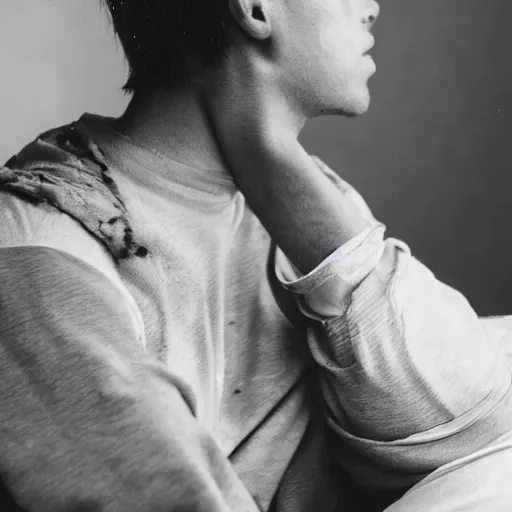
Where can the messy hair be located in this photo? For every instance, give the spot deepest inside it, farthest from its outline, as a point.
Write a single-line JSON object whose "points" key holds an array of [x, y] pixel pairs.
{"points": [[160, 39]]}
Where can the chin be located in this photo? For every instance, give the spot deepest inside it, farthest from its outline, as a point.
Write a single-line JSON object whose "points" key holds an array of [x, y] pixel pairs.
{"points": [[358, 102], [360, 108], [356, 105]]}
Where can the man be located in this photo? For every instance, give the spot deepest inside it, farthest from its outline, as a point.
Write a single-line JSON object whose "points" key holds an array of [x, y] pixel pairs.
{"points": [[196, 315]]}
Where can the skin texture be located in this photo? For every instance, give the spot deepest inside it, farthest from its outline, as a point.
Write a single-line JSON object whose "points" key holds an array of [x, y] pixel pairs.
{"points": [[320, 53], [292, 61], [305, 60], [257, 115]]}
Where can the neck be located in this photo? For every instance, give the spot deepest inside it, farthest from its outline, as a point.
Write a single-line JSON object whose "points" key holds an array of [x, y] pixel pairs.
{"points": [[174, 124]]}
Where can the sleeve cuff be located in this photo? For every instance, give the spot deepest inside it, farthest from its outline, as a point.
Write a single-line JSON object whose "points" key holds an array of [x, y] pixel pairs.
{"points": [[323, 292]]}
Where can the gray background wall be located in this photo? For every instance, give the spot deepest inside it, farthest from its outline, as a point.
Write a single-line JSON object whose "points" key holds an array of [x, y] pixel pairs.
{"points": [[431, 156]]}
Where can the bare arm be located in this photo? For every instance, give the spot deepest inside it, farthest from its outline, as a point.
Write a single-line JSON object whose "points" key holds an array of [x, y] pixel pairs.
{"points": [[305, 215]]}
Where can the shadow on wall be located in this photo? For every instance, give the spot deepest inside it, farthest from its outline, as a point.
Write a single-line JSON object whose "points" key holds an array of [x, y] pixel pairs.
{"points": [[430, 157]]}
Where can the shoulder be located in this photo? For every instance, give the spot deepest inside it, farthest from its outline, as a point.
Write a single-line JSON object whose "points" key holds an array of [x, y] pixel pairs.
{"points": [[25, 224], [44, 233], [65, 169]]}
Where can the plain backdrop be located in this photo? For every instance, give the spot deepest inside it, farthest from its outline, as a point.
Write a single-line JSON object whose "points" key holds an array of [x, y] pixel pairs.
{"points": [[431, 157]]}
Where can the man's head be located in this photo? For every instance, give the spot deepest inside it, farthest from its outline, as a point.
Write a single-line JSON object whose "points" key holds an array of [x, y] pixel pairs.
{"points": [[324, 52], [316, 47]]}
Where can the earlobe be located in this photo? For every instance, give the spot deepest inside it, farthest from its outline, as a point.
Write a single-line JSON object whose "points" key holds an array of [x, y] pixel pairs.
{"points": [[252, 17]]}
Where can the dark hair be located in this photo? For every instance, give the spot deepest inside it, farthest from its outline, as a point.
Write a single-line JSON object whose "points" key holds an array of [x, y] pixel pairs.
{"points": [[161, 38]]}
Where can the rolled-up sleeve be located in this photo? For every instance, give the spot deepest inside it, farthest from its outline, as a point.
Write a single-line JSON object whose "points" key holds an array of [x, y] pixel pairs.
{"points": [[411, 378]]}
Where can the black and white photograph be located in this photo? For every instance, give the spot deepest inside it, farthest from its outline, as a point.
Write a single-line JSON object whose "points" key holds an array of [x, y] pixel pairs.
{"points": [[255, 256]]}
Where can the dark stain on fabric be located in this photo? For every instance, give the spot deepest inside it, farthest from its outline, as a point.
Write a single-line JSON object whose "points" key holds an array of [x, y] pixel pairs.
{"points": [[128, 236], [141, 252], [107, 179], [70, 138], [65, 168]]}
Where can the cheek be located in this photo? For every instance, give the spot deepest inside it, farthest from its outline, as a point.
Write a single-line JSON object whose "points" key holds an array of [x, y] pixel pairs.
{"points": [[348, 8], [341, 69], [323, 63], [332, 69], [337, 44]]}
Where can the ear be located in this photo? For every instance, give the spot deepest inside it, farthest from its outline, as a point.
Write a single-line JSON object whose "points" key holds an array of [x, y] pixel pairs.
{"points": [[252, 16]]}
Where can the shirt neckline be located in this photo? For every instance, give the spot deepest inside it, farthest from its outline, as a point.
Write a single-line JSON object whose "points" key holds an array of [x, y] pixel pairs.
{"points": [[152, 168]]}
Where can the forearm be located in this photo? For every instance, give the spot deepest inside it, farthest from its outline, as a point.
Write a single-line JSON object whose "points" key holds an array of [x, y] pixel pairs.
{"points": [[88, 419], [304, 213], [384, 318]]}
